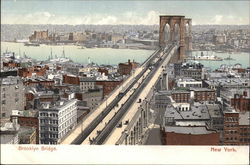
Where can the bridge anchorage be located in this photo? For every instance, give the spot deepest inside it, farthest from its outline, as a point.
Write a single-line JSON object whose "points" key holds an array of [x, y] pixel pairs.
{"points": [[123, 117]]}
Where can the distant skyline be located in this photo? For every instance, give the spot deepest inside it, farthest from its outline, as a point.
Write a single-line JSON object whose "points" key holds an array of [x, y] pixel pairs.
{"points": [[75, 12]]}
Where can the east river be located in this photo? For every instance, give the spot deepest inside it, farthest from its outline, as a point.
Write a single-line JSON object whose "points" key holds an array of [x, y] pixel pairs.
{"points": [[75, 53], [110, 56]]}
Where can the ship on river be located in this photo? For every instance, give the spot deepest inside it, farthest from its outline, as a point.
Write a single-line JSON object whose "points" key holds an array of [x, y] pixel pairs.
{"points": [[205, 57], [31, 44]]}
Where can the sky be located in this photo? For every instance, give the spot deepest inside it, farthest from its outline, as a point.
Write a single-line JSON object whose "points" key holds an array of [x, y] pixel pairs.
{"points": [[130, 12]]}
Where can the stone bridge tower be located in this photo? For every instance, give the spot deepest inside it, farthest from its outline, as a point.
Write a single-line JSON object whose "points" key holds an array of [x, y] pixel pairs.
{"points": [[176, 29]]}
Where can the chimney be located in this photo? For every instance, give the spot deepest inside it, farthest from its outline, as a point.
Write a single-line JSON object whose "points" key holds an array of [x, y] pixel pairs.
{"points": [[128, 61]]}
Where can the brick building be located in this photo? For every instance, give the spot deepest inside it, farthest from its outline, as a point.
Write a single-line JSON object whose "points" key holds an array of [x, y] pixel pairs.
{"points": [[108, 86], [196, 94], [236, 128], [39, 36], [231, 128], [39, 81], [240, 102], [181, 96], [203, 94], [90, 83], [33, 71], [180, 135], [71, 79], [126, 68], [237, 98], [103, 70], [11, 64]]}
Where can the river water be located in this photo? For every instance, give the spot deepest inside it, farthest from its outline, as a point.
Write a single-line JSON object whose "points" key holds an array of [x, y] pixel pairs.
{"points": [[97, 55], [111, 56], [238, 58]]}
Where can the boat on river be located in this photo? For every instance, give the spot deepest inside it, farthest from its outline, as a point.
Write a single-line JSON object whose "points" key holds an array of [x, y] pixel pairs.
{"points": [[205, 57], [31, 44]]}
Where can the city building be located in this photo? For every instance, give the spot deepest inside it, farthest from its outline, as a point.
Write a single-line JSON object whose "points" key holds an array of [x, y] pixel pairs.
{"points": [[238, 98], [28, 119], [181, 96], [236, 128], [12, 95], [33, 71], [203, 94], [39, 36], [90, 83], [108, 86], [126, 68], [92, 98], [189, 135], [38, 81], [27, 135], [191, 70], [9, 133], [55, 121], [219, 39], [188, 82], [192, 124], [71, 79]]}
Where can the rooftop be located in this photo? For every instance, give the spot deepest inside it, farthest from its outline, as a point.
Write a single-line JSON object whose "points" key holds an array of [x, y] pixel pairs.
{"points": [[214, 110], [229, 81], [186, 79], [10, 80], [57, 105], [188, 130], [201, 89], [197, 112], [244, 118]]}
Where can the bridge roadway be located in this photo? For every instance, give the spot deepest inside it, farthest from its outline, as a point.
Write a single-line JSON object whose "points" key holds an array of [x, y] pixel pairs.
{"points": [[92, 120], [114, 111], [110, 134]]}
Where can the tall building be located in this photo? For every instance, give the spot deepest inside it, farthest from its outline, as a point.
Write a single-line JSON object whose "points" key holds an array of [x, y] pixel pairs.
{"points": [[12, 95], [55, 121], [236, 128]]}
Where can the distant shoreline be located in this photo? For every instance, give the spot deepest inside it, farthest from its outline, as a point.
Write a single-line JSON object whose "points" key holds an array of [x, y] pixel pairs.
{"points": [[72, 44]]}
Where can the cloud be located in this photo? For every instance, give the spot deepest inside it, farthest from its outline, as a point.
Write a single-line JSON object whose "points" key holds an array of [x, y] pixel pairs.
{"points": [[217, 19], [127, 18], [228, 20], [152, 17]]}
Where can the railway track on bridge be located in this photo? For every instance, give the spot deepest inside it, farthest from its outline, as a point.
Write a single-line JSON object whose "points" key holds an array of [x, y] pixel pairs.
{"points": [[117, 117], [85, 133]]}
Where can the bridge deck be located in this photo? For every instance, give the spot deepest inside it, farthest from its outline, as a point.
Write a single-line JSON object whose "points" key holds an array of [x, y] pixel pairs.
{"points": [[101, 125], [117, 132]]}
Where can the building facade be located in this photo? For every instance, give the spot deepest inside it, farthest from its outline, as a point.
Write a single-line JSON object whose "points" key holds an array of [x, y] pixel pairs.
{"points": [[126, 68], [56, 121], [12, 96]]}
